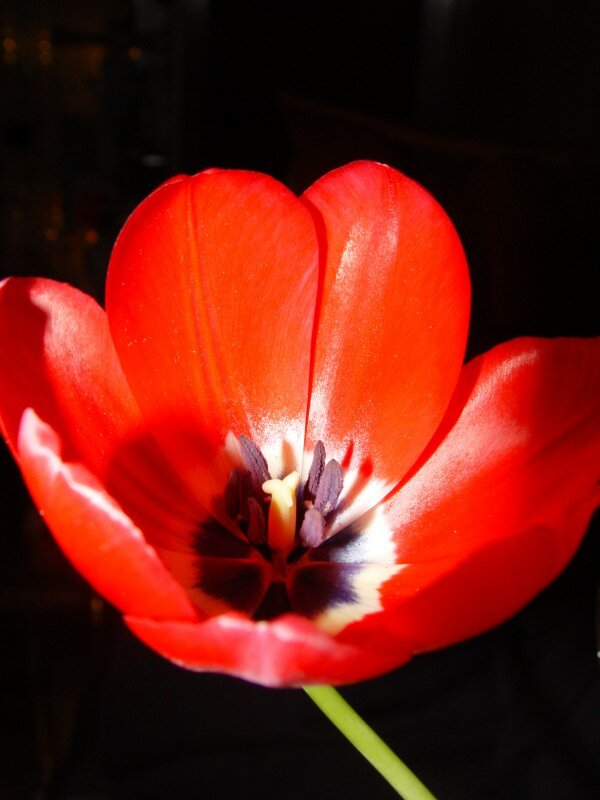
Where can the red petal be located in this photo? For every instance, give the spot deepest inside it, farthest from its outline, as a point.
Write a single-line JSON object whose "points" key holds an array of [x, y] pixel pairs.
{"points": [[98, 538], [463, 597], [501, 500], [520, 445], [392, 323], [211, 296], [58, 358], [290, 651]]}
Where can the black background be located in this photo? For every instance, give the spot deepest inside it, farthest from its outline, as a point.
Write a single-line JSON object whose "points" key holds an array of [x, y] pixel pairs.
{"points": [[494, 108]]}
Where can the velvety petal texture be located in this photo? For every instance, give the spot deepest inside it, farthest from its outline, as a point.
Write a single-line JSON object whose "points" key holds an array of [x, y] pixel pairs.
{"points": [[392, 322], [500, 499], [211, 298], [289, 651], [57, 357], [94, 533], [251, 334]]}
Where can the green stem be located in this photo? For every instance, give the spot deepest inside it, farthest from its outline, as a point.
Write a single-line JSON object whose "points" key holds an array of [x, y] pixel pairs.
{"points": [[364, 738]]}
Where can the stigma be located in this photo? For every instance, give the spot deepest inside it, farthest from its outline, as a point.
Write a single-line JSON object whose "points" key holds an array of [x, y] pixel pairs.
{"points": [[282, 512]]}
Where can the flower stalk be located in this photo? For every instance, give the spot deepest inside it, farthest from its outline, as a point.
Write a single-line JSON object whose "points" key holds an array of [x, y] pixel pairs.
{"points": [[367, 742]]}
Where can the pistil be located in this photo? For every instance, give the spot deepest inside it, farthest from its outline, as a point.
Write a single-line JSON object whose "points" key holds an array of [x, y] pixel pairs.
{"points": [[282, 512]]}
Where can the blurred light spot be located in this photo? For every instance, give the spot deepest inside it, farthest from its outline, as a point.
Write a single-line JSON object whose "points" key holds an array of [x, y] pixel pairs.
{"points": [[91, 236], [45, 47], [51, 234], [9, 46], [154, 160], [134, 53]]}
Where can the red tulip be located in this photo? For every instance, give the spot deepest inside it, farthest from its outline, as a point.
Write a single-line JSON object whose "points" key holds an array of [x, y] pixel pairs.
{"points": [[266, 452]]}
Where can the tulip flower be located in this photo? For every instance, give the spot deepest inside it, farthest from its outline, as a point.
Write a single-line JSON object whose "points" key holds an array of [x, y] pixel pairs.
{"points": [[267, 452]]}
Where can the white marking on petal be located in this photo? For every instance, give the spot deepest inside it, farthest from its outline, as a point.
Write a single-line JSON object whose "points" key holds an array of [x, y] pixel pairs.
{"points": [[319, 418], [233, 449], [375, 550], [374, 545], [358, 496], [280, 440], [367, 585]]}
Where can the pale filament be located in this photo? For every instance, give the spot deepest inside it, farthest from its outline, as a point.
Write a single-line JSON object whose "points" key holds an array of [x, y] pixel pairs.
{"points": [[282, 512]]}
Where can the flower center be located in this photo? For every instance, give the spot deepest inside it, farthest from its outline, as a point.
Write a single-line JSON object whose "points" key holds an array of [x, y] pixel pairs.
{"points": [[274, 545], [297, 513], [272, 521]]}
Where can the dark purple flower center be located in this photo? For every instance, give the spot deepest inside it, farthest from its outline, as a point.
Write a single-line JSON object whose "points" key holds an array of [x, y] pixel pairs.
{"points": [[229, 568]]}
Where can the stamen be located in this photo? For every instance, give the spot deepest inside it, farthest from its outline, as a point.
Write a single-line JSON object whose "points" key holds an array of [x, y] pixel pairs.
{"points": [[330, 486], [282, 512], [316, 470], [312, 530], [256, 532], [255, 462]]}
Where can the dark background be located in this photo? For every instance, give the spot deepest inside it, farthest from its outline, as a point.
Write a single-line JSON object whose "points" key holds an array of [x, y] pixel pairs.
{"points": [[494, 108]]}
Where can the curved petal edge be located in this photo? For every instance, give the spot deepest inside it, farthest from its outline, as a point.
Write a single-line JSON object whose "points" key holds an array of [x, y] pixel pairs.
{"points": [[500, 500], [93, 532], [391, 324], [289, 651]]}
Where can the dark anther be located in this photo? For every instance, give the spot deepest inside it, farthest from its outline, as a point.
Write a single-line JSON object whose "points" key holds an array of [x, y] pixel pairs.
{"points": [[312, 530], [330, 486], [256, 464], [232, 494], [256, 522], [316, 470]]}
